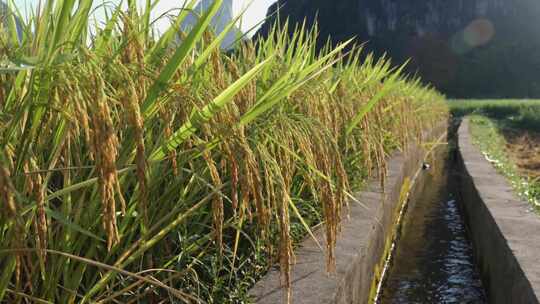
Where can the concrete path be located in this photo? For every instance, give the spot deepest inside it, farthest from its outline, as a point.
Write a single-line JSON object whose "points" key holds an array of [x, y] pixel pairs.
{"points": [[504, 230]]}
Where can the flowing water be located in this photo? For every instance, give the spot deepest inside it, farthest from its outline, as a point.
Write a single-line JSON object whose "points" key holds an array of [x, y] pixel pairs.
{"points": [[433, 261]]}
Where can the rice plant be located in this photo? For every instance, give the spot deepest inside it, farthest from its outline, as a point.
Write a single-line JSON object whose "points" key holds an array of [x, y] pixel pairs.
{"points": [[138, 167]]}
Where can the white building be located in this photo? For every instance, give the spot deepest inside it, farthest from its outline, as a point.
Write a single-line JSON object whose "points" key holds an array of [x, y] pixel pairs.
{"points": [[222, 18]]}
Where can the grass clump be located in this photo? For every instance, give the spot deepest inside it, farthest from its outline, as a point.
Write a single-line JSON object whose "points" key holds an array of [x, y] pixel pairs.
{"points": [[135, 168]]}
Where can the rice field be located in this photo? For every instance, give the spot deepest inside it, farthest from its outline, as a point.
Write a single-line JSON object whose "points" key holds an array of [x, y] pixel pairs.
{"points": [[145, 168], [521, 113]]}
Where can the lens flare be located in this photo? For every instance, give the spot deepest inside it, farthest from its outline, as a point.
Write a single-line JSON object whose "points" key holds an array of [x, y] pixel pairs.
{"points": [[478, 33]]}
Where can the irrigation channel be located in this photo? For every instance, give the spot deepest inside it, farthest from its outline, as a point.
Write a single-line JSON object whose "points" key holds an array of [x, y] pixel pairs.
{"points": [[432, 260]]}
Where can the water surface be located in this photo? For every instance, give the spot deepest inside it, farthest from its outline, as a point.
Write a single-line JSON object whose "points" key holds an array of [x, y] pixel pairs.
{"points": [[433, 261]]}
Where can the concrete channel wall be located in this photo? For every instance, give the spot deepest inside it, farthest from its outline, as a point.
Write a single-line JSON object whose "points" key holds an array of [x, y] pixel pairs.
{"points": [[365, 237], [504, 232]]}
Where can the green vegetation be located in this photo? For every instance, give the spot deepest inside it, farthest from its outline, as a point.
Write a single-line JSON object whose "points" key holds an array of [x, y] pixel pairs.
{"points": [[135, 168], [486, 135], [521, 113]]}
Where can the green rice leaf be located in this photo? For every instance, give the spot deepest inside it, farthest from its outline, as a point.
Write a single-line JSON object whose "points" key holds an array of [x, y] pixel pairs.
{"points": [[62, 219], [149, 106]]}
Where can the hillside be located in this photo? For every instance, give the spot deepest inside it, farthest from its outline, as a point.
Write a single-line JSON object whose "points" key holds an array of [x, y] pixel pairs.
{"points": [[465, 48]]}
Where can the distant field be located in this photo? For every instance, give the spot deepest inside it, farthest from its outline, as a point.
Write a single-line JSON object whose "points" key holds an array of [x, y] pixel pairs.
{"points": [[515, 113]]}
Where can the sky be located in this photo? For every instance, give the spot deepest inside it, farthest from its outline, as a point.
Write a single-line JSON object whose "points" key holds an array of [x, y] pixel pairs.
{"points": [[255, 13]]}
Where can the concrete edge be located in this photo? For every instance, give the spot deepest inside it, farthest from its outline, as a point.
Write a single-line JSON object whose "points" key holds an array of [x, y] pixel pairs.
{"points": [[504, 232], [362, 245]]}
